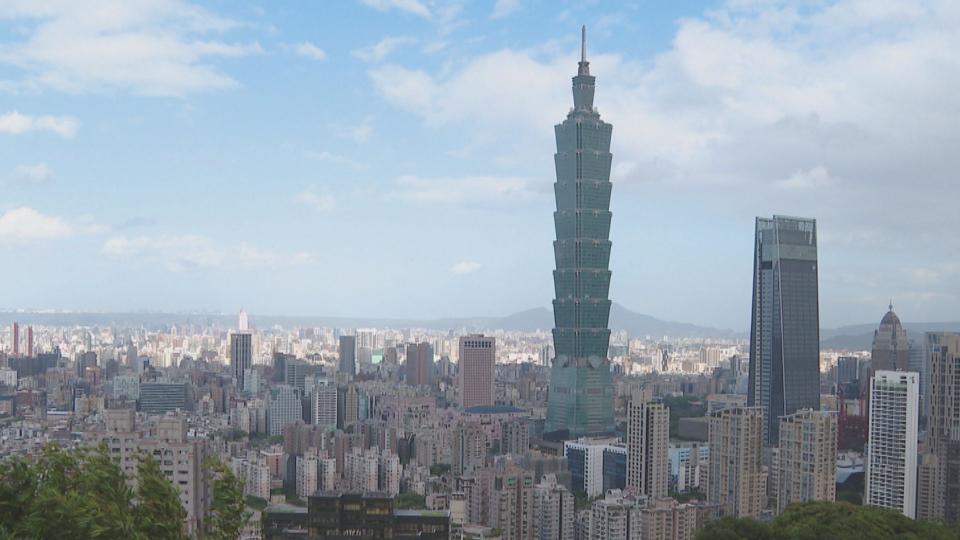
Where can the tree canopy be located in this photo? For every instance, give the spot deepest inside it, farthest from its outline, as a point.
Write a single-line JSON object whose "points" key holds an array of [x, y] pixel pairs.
{"points": [[83, 494], [829, 521]]}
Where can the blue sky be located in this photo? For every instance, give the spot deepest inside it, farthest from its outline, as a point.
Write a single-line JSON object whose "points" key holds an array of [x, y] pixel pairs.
{"points": [[394, 157]]}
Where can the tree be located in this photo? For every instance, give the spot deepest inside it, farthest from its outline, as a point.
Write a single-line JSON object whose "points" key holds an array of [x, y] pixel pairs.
{"points": [[228, 512], [159, 513], [828, 521]]}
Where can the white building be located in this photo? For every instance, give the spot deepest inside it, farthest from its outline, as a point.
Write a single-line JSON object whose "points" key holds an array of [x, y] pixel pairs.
{"points": [[284, 408], [324, 404], [891, 460], [585, 458], [308, 474], [8, 378]]}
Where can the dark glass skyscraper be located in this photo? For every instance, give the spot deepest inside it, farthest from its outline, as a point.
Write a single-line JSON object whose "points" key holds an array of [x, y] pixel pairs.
{"points": [[581, 393], [785, 323]]}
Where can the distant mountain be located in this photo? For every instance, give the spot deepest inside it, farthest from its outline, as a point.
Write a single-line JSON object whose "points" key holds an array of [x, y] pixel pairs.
{"points": [[540, 318]]}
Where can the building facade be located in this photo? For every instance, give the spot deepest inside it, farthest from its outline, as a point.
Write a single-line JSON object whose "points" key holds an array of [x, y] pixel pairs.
{"points": [[241, 356], [939, 485], [580, 398], [419, 365], [890, 471], [648, 437], [348, 355], [806, 458], [785, 321], [735, 480], [478, 356]]}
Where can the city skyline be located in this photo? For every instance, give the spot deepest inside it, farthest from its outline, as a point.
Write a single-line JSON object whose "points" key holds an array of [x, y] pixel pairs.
{"points": [[203, 168]]}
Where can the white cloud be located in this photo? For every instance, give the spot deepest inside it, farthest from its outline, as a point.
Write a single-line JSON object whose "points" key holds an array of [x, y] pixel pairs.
{"points": [[14, 123], [359, 133], [815, 178], [25, 224], [378, 51], [184, 252], [330, 157], [408, 6], [480, 191], [309, 50], [465, 267], [35, 174], [146, 47], [503, 8], [323, 202]]}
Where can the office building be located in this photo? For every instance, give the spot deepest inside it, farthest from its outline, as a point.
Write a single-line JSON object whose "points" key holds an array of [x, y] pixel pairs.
{"points": [[159, 397], [939, 483], [353, 515], [588, 461], [348, 355], [419, 365], [324, 405], [241, 356], [735, 479], [806, 458], [283, 408], [891, 348], [848, 369], [477, 377], [785, 322], [580, 399], [29, 342], [648, 436], [890, 471]]}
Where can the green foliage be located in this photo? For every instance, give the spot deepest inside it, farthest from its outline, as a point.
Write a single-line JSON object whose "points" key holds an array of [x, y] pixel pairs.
{"points": [[682, 407], [83, 494], [228, 512], [411, 501], [255, 502], [828, 521], [158, 513], [692, 495], [439, 469]]}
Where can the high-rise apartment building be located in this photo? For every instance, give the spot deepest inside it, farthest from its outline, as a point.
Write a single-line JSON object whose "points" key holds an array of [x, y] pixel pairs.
{"points": [[553, 510], [324, 405], [512, 503], [241, 356], [348, 355], [785, 322], [469, 448], [735, 473], [581, 392], [419, 364], [478, 356], [890, 471], [514, 437], [939, 484], [891, 348], [806, 458], [15, 339], [648, 436]]}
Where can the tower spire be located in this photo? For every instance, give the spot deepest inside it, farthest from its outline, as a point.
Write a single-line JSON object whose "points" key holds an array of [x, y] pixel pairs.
{"points": [[584, 68]]}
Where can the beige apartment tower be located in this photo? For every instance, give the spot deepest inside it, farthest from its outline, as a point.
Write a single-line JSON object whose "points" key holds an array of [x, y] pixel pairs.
{"points": [[648, 436], [735, 480], [938, 489], [478, 357], [807, 458]]}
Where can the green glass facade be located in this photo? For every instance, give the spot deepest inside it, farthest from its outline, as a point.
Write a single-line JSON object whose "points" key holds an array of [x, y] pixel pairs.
{"points": [[581, 391]]}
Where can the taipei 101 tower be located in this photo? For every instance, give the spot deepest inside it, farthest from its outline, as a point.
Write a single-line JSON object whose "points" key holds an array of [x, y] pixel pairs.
{"points": [[581, 391]]}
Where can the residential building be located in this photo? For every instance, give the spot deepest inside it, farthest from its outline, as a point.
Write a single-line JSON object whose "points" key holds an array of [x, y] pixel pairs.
{"points": [[939, 484], [648, 435], [890, 471], [806, 458], [735, 480]]}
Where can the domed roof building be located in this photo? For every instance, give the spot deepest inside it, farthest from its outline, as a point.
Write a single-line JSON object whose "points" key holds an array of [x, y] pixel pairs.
{"points": [[891, 348]]}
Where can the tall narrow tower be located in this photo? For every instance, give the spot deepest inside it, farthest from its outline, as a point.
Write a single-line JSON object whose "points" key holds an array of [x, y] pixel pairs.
{"points": [[581, 393]]}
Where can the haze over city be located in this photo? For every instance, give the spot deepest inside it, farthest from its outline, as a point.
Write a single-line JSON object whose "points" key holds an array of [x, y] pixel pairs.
{"points": [[381, 159]]}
